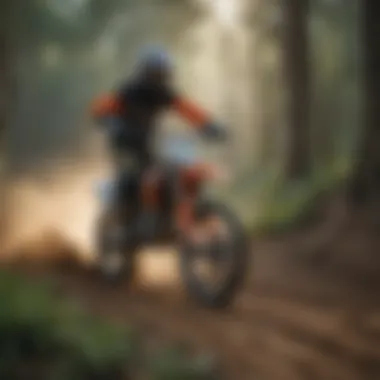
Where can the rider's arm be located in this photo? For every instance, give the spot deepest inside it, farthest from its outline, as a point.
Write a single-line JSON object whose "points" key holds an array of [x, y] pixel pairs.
{"points": [[191, 112], [198, 118], [106, 106], [106, 111]]}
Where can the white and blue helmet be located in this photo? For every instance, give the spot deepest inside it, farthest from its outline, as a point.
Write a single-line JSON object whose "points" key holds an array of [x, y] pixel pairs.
{"points": [[155, 58]]}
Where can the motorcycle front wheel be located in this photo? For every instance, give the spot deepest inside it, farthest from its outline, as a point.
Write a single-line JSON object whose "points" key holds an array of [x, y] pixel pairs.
{"points": [[214, 257]]}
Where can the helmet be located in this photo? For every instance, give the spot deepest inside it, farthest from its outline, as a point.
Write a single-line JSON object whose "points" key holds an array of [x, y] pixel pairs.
{"points": [[155, 61]]}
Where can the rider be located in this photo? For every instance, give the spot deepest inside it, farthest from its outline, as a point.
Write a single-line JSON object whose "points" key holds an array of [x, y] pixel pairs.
{"points": [[131, 114]]}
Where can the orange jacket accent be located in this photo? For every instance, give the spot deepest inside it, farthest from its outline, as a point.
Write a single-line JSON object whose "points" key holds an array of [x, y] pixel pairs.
{"points": [[110, 105], [106, 105], [191, 112]]}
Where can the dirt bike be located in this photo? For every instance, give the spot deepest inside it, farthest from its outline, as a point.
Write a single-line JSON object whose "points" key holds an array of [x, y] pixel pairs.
{"points": [[213, 261]]}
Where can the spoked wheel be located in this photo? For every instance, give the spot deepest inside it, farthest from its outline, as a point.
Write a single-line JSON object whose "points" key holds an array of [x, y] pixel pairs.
{"points": [[214, 257], [116, 258]]}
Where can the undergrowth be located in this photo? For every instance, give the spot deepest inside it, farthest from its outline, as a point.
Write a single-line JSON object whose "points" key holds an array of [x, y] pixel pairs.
{"points": [[43, 337]]}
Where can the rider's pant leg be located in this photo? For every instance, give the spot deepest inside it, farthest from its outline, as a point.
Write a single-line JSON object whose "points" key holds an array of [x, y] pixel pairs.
{"points": [[150, 189]]}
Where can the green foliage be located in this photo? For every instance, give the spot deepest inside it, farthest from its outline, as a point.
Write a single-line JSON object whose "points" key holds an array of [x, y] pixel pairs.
{"points": [[38, 22], [58, 341], [38, 330], [282, 206], [173, 364]]}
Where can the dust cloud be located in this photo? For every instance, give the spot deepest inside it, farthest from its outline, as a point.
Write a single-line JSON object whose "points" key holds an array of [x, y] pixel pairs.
{"points": [[54, 219], [63, 204]]}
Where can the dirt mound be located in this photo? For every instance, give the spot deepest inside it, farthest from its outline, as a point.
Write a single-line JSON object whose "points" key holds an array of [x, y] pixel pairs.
{"points": [[49, 248]]}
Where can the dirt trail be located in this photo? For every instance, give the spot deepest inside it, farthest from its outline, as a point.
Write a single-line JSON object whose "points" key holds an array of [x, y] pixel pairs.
{"points": [[286, 324]]}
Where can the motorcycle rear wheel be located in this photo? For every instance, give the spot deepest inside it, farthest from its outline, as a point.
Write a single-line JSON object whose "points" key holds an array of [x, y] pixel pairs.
{"points": [[116, 260]]}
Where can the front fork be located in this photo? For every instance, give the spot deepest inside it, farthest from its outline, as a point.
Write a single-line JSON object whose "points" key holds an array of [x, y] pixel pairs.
{"points": [[185, 214], [186, 205]]}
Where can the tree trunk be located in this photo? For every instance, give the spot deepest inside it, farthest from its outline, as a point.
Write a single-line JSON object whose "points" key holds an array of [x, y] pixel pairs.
{"points": [[297, 79], [6, 77], [6, 94], [5, 87], [366, 177]]}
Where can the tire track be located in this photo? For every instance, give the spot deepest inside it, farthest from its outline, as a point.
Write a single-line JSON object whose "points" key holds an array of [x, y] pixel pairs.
{"points": [[271, 333]]}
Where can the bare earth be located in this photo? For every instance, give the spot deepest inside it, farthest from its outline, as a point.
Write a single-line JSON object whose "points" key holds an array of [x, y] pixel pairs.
{"points": [[288, 323]]}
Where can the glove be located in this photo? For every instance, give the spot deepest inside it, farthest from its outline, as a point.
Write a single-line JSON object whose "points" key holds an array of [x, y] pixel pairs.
{"points": [[214, 131]]}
